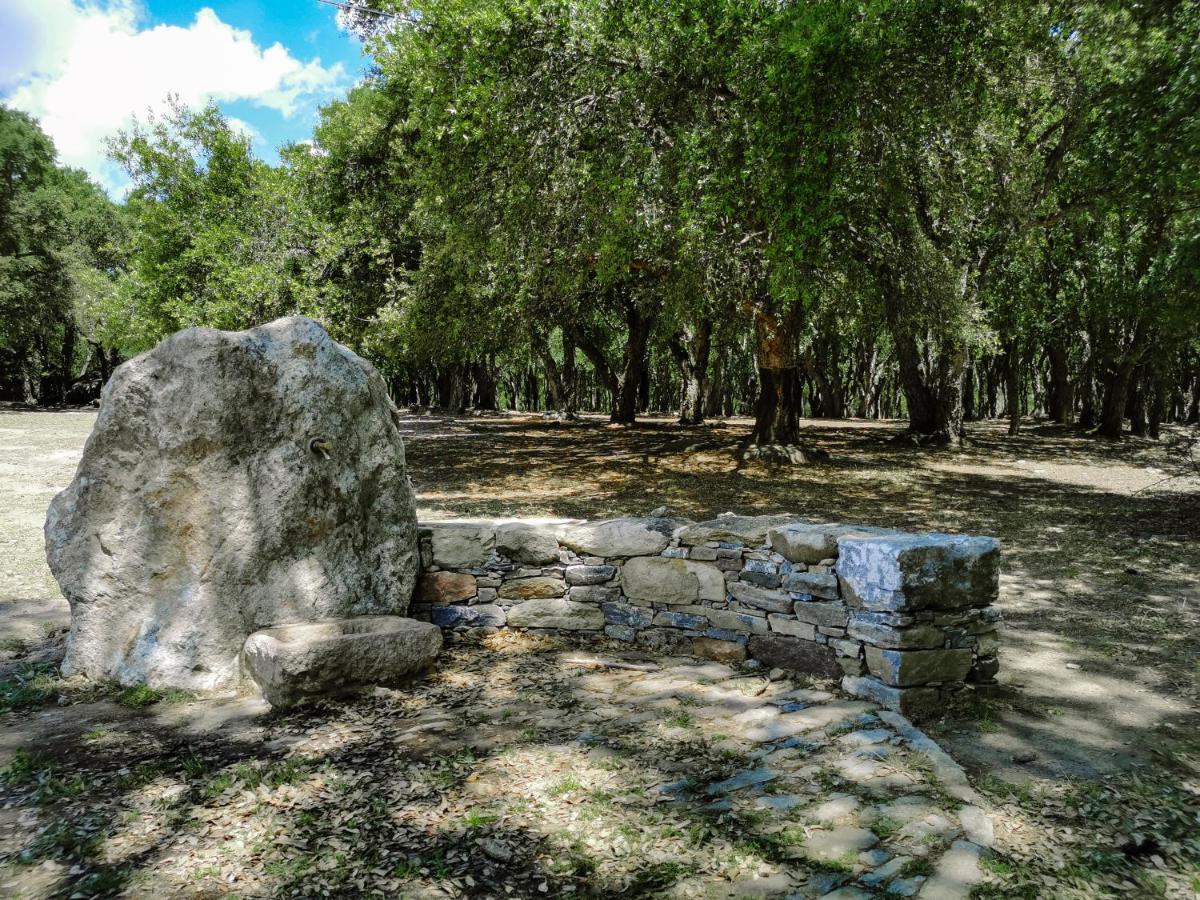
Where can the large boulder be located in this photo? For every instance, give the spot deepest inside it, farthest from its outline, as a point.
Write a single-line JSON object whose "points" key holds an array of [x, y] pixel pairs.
{"points": [[233, 481]]}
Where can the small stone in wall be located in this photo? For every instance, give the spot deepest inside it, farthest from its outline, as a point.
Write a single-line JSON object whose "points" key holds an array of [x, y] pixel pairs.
{"points": [[445, 587], [461, 545], [749, 530], [594, 593], [795, 655], [555, 612], [532, 588], [913, 702], [621, 537], [467, 616], [671, 580], [583, 575], [815, 583], [624, 614], [821, 614], [790, 626], [908, 668], [760, 598], [528, 543]]}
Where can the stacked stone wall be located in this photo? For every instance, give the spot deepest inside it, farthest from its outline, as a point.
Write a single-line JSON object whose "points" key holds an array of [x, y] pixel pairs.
{"points": [[905, 620]]}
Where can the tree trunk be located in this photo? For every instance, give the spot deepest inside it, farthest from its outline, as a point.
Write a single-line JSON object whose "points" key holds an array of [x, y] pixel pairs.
{"points": [[451, 395], [935, 408], [691, 350], [634, 364], [555, 391], [1156, 411], [1059, 400], [1116, 391], [1136, 406], [67, 363], [777, 412], [569, 375], [969, 413], [714, 403], [1012, 385], [485, 384]]}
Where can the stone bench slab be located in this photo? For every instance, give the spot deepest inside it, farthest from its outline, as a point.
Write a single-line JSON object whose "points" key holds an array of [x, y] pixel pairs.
{"points": [[292, 663]]}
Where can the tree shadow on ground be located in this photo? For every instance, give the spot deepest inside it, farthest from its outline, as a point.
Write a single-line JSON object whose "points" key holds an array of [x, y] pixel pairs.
{"points": [[384, 795]]}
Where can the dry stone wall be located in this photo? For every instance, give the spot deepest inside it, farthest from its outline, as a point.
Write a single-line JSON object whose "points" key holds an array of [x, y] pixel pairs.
{"points": [[905, 620]]}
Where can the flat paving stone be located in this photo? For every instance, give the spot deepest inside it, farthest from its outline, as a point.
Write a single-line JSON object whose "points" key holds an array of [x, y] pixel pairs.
{"points": [[840, 842], [741, 780]]}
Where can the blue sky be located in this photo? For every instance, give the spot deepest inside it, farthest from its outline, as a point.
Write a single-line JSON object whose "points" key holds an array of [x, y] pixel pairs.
{"points": [[306, 27], [84, 68]]}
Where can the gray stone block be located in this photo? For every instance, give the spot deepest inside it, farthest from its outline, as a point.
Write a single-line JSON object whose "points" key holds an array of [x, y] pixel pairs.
{"points": [[790, 626], [909, 668], [919, 571], [916, 703], [582, 575], [594, 593], [624, 614], [828, 614], [666, 580], [815, 583], [292, 663], [760, 598], [680, 620], [557, 613], [467, 616], [794, 654]]}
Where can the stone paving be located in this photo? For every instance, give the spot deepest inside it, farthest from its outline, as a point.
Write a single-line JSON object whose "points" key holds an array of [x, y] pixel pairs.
{"points": [[530, 769]]}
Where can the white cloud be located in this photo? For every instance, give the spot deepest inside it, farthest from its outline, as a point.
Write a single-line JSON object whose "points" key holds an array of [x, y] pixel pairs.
{"points": [[87, 68]]}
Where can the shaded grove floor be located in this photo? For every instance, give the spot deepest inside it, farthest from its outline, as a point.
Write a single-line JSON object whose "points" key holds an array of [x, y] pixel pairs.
{"points": [[523, 768], [1088, 754]]}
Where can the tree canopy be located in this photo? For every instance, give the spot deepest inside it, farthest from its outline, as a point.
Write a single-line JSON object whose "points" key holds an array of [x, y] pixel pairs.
{"points": [[930, 209]]}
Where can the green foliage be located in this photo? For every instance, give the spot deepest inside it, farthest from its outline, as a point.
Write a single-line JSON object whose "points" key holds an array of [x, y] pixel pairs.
{"points": [[28, 686], [869, 199]]}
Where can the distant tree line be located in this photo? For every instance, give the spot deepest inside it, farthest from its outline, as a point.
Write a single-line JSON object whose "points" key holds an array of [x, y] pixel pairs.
{"points": [[940, 210]]}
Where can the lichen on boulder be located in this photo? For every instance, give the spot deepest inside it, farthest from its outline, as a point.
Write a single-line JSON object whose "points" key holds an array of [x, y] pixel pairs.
{"points": [[234, 481]]}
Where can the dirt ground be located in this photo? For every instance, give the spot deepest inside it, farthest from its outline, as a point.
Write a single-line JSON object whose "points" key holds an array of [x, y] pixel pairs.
{"points": [[1090, 751]]}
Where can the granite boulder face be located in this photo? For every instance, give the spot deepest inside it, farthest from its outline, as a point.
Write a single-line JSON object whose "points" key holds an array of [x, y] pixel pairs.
{"points": [[233, 481]]}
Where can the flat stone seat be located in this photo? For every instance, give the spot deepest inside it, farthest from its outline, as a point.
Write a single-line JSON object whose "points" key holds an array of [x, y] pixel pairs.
{"points": [[293, 663]]}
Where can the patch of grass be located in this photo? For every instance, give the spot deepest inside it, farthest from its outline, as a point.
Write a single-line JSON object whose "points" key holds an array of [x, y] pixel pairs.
{"points": [[35, 770], [101, 883], [565, 785], [655, 878], [843, 865], [885, 827], [12, 645], [217, 785], [681, 720], [997, 865], [422, 866], [916, 866], [272, 774], [476, 819], [828, 778], [29, 686], [572, 859], [139, 696], [61, 840]]}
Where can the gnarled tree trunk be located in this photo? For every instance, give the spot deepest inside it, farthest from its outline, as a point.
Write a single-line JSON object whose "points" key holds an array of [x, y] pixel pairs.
{"points": [[690, 348]]}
